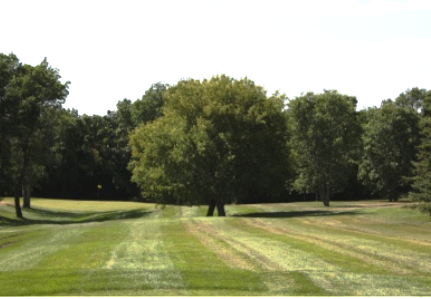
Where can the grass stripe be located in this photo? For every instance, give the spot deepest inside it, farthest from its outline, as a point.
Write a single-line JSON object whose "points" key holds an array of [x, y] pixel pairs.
{"points": [[28, 254], [322, 242], [65, 248], [408, 254], [218, 244], [266, 258], [144, 254], [202, 270], [352, 276]]}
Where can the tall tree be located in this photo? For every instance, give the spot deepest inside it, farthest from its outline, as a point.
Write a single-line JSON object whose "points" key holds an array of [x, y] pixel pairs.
{"points": [[33, 92], [390, 137], [422, 168], [325, 135], [150, 106], [219, 141], [9, 65], [412, 98], [93, 150]]}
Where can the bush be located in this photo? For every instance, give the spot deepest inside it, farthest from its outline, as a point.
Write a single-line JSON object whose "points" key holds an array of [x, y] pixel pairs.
{"points": [[424, 207]]}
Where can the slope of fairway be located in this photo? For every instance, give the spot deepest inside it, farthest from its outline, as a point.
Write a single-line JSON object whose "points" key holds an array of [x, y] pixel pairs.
{"points": [[81, 248]]}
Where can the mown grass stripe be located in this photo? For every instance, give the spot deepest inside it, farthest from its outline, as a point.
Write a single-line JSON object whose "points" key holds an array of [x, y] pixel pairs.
{"points": [[279, 277], [143, 253], [47, 240], [401, 236], [298, 249], [202, 270], [137, 262], [407, 255], [343, 281], [220, 245], [28, 262], [36, 282], [410, 254], [323, 241]]}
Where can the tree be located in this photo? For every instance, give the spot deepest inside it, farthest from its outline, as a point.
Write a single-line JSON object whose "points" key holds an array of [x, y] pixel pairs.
{"points": [[325, 135], [422, 167], [218, 141], [94, 150], [412, 98], [9, 65], [85, 153], [90, 151], [390, 137], [33, 92], [150, 106], [71, 174]]}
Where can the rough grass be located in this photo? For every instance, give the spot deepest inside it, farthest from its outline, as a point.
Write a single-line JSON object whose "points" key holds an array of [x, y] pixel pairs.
{"points": [[90, 248]]}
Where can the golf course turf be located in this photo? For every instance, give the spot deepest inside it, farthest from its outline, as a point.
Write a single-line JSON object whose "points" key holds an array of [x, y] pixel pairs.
{"points": [[93, 248]]}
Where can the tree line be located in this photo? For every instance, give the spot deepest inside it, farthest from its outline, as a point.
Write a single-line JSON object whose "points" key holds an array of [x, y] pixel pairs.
{"points": [[211, 142]]}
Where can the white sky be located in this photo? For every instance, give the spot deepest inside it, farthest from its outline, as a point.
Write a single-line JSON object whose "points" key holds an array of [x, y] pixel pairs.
{"points": [[111, 50]]}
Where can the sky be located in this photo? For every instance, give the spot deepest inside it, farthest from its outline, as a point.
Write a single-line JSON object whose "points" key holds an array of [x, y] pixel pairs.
{"points": [[112, 50]]}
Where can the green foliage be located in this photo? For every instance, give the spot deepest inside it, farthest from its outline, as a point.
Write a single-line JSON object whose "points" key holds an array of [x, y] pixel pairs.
{"points": [[150, 106], [219, 140], [412, 98], [30, 96], [9, 65], [325, 134], [422, 172], [91, 151], [390, 137], [424, 207], [94, 150], [216, 141]]}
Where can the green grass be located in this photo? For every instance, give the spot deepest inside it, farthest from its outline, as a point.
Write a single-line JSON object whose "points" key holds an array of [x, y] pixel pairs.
{"points": [[92, 248]]}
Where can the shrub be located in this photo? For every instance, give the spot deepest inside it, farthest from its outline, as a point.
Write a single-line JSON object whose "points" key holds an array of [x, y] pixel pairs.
{"points": [[424, 207]]}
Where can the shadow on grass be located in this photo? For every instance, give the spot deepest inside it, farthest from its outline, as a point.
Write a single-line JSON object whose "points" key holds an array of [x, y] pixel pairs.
{"points": [[54, 217], [293, 214], [372, 205]]}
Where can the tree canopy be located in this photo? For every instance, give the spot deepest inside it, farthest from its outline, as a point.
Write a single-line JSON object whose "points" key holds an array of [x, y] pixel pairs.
{"points": [[390, 137], [422, 167], [219, 141], [325, 133], [29, 96], [214, 142]]}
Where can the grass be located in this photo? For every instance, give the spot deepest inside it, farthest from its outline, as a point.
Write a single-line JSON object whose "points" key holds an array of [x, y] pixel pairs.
{"points": [[91, 248]]}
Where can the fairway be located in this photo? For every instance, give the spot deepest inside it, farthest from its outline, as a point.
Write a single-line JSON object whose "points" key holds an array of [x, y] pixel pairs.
{"points": [[90, 248]]}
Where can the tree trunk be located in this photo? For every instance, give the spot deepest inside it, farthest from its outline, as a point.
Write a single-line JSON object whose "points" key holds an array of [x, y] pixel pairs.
{"points": [[324, 194], [327, 196], [220, 208], [17, 203], [211, 207], [26, 196]]}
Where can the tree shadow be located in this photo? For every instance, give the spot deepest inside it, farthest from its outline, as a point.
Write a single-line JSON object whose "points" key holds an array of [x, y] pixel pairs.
{"points": [[372, 204], [293, 214], [73, 218]]}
